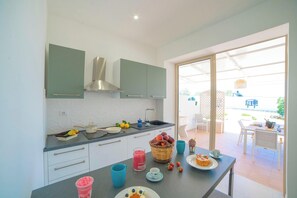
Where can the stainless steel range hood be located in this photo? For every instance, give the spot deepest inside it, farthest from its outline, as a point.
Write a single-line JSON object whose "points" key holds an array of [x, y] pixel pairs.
{"points": [[98, 80]]}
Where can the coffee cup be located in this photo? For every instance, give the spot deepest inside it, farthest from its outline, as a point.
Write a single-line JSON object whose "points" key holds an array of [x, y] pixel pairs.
{"points": [[154, 172], [216, 153]]}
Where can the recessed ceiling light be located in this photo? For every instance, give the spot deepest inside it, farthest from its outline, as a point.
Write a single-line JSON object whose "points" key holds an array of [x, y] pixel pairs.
{"points": [[136, 17]]}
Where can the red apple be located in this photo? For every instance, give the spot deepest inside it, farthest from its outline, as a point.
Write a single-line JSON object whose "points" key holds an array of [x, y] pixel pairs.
{"points": [[171, 140], [163, 133], [159, 137], [166, 137]]}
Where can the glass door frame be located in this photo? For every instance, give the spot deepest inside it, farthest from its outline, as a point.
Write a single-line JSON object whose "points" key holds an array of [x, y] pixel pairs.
{"points": [[212, 128], [212, 137]]}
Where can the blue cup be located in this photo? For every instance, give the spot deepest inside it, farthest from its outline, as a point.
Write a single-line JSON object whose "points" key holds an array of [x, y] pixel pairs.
{"points": [[180, 146], [118, 175]]}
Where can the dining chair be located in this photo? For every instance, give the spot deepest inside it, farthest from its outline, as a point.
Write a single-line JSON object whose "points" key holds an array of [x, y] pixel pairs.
{"points": [[200, 122], [268, 140], [243, 130]]}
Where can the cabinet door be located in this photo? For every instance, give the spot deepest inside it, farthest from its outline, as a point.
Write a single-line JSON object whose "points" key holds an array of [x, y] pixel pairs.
{"points": [[65, 73], [156, 82], [132, 79], [139, 140], [104, 153]]}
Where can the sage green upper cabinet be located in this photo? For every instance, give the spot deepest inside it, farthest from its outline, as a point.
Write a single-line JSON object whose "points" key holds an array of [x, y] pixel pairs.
{"points": [[139, 80], [65, 72], [156, 82], [132, 79]]}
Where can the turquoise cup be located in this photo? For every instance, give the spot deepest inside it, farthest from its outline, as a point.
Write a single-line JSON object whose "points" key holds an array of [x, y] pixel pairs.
{"points": [[118, 175], [180, 146]]}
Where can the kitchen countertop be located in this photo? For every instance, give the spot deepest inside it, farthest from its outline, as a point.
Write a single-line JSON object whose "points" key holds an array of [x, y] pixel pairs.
{"points": [[191, 183], [52, 143]]}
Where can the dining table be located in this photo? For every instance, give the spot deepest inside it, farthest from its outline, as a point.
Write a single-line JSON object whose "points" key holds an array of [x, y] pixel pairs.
{"points": [[253, 127], [192, 182]]}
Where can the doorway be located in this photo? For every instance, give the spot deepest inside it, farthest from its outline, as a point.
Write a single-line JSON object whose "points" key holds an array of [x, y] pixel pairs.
{"points": [[249, 86]]}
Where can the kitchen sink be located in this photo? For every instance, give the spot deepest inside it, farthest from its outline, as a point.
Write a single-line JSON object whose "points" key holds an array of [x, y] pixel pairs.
{"points": [[157, 122]]}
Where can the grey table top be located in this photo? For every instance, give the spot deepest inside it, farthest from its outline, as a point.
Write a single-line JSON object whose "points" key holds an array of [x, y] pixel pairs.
{"points": [[191, 183], [52, 143]]}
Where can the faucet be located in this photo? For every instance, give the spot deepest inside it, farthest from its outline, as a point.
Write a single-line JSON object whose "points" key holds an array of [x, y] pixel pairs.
{"points": [[148, 109]]}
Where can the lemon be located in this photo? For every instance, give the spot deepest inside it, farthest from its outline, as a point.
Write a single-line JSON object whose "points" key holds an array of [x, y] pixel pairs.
{"points": [[122, 125], [127, 126], [72, 132]]}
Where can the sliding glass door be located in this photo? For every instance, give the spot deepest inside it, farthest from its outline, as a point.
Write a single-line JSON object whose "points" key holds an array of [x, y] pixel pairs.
{"points": [[194, 101]]}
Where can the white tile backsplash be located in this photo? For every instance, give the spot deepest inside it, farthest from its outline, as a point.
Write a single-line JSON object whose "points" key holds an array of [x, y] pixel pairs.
{"points": [[103, 109]]}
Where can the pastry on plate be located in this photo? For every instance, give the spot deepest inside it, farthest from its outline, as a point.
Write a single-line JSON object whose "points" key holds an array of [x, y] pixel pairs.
{"points": [[202, 160], [135, 193]]}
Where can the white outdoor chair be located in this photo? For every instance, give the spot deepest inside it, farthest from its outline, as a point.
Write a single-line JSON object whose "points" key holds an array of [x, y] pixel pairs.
{"points": [[268, 140], [243, 130], [182, 131], [200, 122]]}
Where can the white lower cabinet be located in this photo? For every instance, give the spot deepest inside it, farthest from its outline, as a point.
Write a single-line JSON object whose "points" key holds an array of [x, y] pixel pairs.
{"points": [[139, 140], [104, 153], [65, 163]]}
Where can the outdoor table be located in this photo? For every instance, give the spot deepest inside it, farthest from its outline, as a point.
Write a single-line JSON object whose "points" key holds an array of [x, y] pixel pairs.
{"points": [[191, 182], [253, 128]]}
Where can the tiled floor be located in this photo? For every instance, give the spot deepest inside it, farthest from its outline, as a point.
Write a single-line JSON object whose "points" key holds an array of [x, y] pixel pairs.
{"points": [[264, 170], [246, 188]]}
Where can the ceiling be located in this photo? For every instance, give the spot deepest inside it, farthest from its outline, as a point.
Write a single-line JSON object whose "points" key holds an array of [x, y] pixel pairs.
{"points": [[159, 23]]}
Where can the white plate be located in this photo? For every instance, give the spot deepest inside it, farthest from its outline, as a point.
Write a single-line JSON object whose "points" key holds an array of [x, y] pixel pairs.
{"points": [[113, 129], [191, 160], [149, 193]]}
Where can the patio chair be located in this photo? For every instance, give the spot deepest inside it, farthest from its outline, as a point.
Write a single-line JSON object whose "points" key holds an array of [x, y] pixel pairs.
{"points": [[182, 131], [268, 140], [200, 122], [243, 130]]}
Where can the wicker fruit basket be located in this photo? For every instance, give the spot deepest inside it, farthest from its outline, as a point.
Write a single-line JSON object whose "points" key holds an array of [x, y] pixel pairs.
{"points": [[162, 154]]}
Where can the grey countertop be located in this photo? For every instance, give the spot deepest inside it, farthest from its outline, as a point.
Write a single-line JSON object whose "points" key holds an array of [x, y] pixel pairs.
{"points": [[191, 183], [52, 143]]}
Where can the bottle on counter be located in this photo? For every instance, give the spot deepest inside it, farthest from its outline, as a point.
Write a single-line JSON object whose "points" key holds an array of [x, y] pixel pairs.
{"points": [[139, 123]]}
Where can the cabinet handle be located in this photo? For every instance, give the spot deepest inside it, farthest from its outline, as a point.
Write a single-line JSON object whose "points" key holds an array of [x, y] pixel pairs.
{"points": [[141, 135], [135, 96], [157, 96], [69, 151], [55, 169], [62, 94], [109, 143]]}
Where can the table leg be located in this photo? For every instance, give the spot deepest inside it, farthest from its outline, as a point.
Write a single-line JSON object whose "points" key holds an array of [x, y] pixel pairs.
{"points": [[231, 181], [244, 141]]}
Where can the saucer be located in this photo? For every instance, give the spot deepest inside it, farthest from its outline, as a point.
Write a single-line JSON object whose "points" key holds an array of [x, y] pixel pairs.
{"points": [[158, 178], [218, 157]]}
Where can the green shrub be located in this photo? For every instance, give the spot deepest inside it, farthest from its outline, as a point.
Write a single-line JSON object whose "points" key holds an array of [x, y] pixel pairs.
{"points": [[245, 114], [281, 106]]}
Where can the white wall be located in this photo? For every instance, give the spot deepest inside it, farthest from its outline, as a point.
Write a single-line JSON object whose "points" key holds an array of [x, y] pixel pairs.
{"points": [[262, 17], [22, 35], [100, 108]]}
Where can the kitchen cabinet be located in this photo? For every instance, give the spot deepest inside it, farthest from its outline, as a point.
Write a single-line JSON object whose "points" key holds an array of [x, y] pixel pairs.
{"points": [[156, 82], [132, 78], [139, 140], [65, 72], [65, 163], [104, 153], [139, 80]]}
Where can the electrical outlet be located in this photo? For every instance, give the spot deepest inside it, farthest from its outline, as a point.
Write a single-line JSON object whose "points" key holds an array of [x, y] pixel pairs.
{"points": [[62, 113]]}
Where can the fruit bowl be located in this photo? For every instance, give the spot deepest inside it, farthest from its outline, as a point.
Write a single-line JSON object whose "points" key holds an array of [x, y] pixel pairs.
{"points": [[162, 148]]}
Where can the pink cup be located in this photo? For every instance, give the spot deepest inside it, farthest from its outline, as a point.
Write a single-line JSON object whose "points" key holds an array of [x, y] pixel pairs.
{"points": [[84, 186]]}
